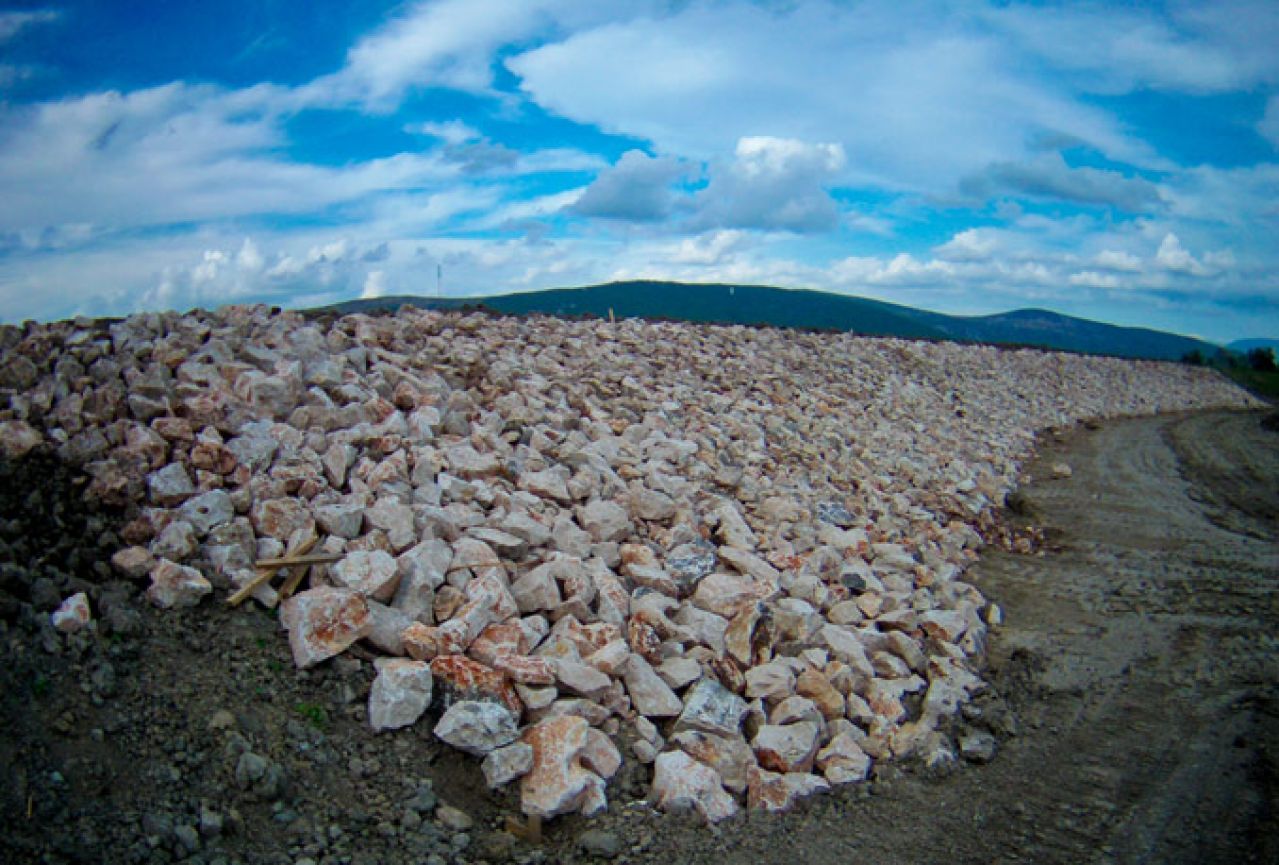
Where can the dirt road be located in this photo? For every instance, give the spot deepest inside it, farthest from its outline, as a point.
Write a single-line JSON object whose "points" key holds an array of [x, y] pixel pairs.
{"points": [[1134, 700]]}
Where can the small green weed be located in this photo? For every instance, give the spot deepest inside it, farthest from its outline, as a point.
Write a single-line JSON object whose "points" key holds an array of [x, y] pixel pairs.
{"points": [[314, 715], [40, 685]]}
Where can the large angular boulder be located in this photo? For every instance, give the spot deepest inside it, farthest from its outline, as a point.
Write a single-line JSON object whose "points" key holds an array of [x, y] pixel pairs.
{"points": [[324, 622], [400, 694]]}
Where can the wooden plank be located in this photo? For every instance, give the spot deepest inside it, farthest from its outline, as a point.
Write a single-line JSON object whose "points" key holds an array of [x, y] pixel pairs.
{"points": [[267, 568], [300, 559], [263, 575]]}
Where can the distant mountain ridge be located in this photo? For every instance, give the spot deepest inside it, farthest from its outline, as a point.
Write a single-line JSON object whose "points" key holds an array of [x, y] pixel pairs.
{"points": [[1243, 346], [800, 308]]}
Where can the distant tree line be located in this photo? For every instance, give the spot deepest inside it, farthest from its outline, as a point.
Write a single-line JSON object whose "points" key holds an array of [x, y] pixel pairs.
{"points": [[1257, 359], [1255, 370]]}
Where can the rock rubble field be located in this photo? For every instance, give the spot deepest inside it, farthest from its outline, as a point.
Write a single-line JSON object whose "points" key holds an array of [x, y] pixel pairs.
{"points": [[736, 555]]}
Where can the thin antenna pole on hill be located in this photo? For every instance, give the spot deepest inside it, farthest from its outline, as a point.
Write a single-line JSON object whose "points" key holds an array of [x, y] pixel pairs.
{"points": [[439, 280]]}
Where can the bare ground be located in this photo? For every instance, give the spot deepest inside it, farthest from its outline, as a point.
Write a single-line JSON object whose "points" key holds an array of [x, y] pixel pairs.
{"points": [[1135, 702]]}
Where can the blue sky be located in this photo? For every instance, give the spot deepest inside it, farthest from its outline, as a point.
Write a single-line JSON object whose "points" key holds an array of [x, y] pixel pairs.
{"points": [[1115, 161]]}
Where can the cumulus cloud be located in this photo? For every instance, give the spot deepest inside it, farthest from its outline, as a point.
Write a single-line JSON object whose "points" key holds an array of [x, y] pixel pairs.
{"points": [[712, 248], [1175, 257], [374, 285], [637, 188], [774, 184], [1050, 177], [1094, 279], [973, 244], [1113, 259]]}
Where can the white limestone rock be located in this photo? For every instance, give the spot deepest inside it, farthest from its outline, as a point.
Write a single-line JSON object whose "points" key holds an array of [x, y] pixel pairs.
{"points": [[681, 783], [400, 694]]}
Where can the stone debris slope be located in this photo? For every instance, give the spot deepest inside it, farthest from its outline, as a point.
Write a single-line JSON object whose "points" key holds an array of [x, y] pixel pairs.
{"points": [[738, 551]]}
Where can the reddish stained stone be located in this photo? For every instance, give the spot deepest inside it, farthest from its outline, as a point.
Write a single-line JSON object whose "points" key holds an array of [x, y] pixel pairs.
{"points": [[773, 791], [525, 669], [213, 457], [643, 639], [421, 641], [557, 783], [504, 638], [470, 680], [173, 428], [324, 622]]}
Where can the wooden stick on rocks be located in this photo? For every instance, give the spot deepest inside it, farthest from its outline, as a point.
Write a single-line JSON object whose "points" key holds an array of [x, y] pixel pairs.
{"points": [[299, 571], [300, 559], [267, 568]]}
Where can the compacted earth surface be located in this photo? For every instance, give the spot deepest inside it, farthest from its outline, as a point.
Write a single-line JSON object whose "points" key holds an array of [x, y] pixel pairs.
{"points": [[1132, 713]]}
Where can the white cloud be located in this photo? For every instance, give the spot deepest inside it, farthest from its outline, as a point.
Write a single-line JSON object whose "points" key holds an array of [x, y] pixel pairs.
{"points": [[637, 188], [374, 285], [1175, 257], [914, 108], [249, 258], [1049, 176], [1093, 279], [170, 154], [972, 244], [764, 120], [712, 248], [1189, 47], [773, 184], [1113, 259], [175, 154], [13, 23], [448, 44], [450, 131]]}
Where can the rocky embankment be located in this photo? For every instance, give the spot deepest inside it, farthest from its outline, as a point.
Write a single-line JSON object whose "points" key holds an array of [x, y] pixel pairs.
{"points": [[737, 554]]}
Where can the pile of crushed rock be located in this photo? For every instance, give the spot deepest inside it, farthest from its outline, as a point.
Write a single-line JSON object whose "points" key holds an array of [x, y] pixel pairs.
{"points": [[746, 545]]}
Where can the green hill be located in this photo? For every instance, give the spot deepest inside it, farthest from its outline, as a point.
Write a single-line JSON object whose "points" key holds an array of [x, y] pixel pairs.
{"points": [[777, 307]]}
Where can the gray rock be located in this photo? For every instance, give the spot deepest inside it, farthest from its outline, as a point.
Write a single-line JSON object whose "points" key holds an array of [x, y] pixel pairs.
{"points": [[649, 694], [978, 746], [187, 836], [341, 519], [504, 765], [712, 708], [423, 800], [453, 818], [835, 514], [400, 693], [598, 842], [170, 486], [177, 542], [254, 447], [266, 779], [207, 511], [604, 520], [477, 727], [688, 563]]}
